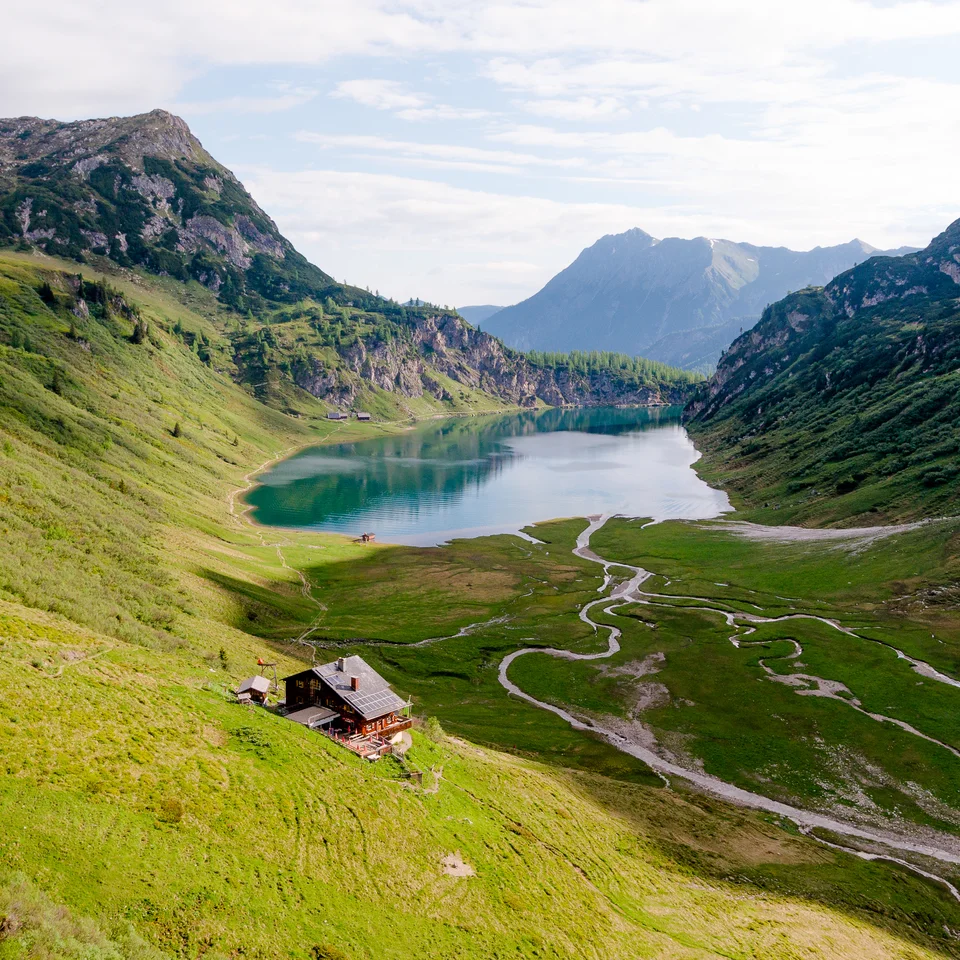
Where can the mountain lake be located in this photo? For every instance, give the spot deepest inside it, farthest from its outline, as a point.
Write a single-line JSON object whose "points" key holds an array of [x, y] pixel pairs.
{"points": [[474, 476]]}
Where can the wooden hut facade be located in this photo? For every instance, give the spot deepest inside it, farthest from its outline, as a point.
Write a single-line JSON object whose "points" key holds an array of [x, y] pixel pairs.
{"points": [[254, 690], [361, 698]]}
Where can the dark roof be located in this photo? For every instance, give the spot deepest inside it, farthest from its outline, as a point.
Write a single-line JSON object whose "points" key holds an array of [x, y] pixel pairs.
{"points": [[373, 699], [313, 716], [257, 684]]}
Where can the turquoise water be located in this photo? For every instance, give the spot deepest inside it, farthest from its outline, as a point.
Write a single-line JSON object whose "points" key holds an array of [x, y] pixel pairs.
{"points": [[470, 476]]}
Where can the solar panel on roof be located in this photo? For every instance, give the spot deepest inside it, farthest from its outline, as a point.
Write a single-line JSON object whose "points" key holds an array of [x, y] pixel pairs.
{"points": [[373, 699], [376, 703]]}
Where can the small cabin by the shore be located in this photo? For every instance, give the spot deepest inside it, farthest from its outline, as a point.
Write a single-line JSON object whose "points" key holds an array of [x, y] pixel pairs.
{"points": [[363, 416], [350, 688]]}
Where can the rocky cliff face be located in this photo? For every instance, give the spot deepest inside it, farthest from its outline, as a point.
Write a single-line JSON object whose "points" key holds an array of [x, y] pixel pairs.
{"points": [[844, 400], [144, 192], [808, 320], [761, 354], [442, 344]]}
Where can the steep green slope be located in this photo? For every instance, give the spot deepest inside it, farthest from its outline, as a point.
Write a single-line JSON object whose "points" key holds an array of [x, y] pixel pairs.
{"points": [[134, 792], [145, 797], [844, 402]]}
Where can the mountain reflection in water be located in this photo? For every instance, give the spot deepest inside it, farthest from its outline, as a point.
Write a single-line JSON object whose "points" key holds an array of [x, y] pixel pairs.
{"points": [[467, 476]]}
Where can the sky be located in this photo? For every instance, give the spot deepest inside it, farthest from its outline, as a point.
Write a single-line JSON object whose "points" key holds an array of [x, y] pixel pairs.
{"points": [[464, 151]]}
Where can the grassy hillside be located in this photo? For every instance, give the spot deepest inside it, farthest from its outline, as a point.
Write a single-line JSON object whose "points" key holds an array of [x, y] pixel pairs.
{"points": [[217, 830], [144, 807], [842, 403]]}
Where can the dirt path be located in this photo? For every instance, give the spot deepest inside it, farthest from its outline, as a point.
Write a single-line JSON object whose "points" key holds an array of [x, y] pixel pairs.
{"points": [[248, 479], [629, 592], [242, 519], [76, 662]]}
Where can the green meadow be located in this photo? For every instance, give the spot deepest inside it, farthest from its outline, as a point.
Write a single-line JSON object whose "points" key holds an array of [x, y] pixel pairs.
{"points": [[147, 815]]}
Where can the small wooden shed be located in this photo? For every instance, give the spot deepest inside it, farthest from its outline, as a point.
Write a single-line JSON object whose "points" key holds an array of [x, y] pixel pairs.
{"points": [[254, 689]]}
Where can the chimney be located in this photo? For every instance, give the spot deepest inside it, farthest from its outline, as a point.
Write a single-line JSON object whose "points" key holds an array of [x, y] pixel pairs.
{"points": [[341, 664], [354, 683]]}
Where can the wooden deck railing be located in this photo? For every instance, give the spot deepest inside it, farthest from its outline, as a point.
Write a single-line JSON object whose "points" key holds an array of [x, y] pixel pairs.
{"points": [[368, 746]]}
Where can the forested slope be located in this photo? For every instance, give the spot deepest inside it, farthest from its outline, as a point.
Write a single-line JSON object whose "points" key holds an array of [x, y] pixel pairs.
{"points": [[844, 402]]}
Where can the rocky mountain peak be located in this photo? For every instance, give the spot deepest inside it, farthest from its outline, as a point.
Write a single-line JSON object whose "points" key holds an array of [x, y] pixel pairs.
{"points": [[28, 140], [680, 301], [143, 191]]}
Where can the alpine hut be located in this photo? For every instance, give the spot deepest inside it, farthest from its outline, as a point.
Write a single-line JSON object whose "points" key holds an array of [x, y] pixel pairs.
{"points": [[350, 688]]}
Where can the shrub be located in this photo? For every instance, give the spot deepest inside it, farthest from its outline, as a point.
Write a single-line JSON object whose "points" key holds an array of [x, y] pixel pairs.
{"points": [[171, 810], [326, 952], [140, 332], [937, 476]]}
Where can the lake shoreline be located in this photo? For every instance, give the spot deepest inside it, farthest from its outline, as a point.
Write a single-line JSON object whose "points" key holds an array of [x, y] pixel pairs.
{"points": [[463, 477]]}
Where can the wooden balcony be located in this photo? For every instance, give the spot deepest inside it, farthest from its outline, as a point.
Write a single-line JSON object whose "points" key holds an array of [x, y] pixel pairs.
{"points": [[370, 746]]}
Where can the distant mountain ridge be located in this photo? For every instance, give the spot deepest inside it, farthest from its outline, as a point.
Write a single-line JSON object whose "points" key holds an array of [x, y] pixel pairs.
{"points": [[846, 398], [142, 194], [479, 313], [633, 293]]}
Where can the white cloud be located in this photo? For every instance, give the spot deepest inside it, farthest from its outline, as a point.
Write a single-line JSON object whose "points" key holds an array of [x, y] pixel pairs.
{"points": [[444, 111], [781, 122], [379, 94], [593, 109], [394, 96], [415, 237], [57, 58], [504, 161], [271, 104]]}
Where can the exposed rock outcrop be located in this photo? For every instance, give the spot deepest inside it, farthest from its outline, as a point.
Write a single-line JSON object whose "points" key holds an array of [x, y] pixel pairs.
{"points": [[148, 178], [803, 320], [445, 345]]}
